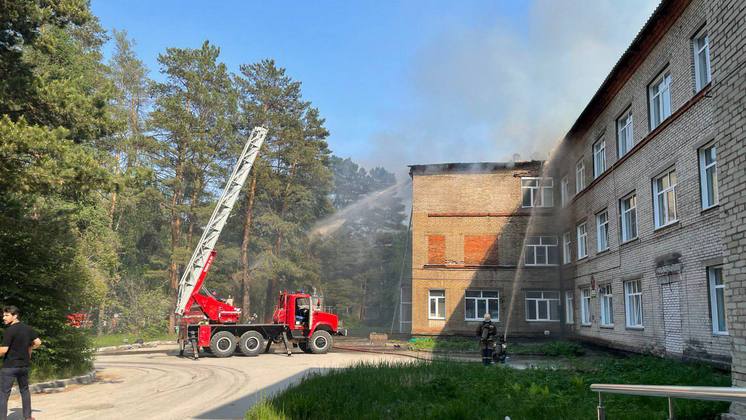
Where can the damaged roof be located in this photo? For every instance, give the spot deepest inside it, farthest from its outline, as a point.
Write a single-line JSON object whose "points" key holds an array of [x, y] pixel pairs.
{"points": [[473, 167]]}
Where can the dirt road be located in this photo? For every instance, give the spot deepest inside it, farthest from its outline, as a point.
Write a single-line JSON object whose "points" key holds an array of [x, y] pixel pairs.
{"points": [[159, 385]]}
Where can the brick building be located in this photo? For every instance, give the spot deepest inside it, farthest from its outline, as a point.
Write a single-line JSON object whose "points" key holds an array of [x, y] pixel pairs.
{"points": [[469, 222], [648, 209]]}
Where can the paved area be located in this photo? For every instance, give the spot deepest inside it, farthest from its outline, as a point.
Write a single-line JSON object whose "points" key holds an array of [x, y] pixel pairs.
{"points": [[156, 384]]}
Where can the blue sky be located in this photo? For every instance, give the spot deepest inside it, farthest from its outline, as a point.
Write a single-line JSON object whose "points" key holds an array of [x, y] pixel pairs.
{"points": [[411, 82]]}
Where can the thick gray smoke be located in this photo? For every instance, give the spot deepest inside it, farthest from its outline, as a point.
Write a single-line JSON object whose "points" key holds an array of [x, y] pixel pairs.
{"points": [[484, 93]]}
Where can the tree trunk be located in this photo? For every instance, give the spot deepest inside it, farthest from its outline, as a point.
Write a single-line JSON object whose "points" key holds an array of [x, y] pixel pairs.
{"points": [[113, 205], [173, 268], [272, 283], [193, 217], [101, 316], [245, 275]]}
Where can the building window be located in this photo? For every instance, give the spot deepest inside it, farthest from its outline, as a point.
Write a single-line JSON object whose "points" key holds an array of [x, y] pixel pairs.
{"points": [[564, 191], [602, 231], [628, 211], [607, 305], [633, 303], [569, 308], [541, 250], [480, 302], [717, 300], [625, 141], [582, 241], [566, 248], [579, 176], [599, 158], [542, 306], [537, 192], [708, 175], [437, 300], [585, 306], [702, 74], [660, 99], [664, 192]]}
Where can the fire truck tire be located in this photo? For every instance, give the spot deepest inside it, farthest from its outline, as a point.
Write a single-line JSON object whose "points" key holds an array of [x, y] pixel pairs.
{"points": [[321, 342], [251, 343], [223, 344]]}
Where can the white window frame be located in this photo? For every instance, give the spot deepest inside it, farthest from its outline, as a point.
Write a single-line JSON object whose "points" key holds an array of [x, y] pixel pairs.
{"points": [[582, 240], [569, 308], [599, 157], [436, 298], [602, 230], [566, 248], [662, 199], [715, 274], [659, 94], [624, 211], [625, 133], [707, 171], [490, 302], [585, 306], [701, 44], [547, 298], [579, 176], [606, 306], [633, 309], [564, 191], [545, 243], [540, 191]]}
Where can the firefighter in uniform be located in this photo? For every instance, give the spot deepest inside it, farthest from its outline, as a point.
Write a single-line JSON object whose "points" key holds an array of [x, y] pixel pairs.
{"points": [[487, 333]]}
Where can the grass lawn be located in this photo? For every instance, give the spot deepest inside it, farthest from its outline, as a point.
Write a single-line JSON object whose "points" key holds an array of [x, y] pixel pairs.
{"points": [[467, 344], [453, 390], [119, 339]]}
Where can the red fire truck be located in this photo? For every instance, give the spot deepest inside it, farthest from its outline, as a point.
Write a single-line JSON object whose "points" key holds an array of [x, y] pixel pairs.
{"points": [[206, 322]]}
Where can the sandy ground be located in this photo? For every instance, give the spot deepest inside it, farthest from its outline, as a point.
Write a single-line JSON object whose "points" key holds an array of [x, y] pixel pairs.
{"points": [[156, 384]]}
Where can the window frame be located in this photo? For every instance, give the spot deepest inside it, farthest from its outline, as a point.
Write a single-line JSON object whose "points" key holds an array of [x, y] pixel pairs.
{"points": [[664, 105], [628, 128], [564, 191], [714, 303], [548, 301], [585, 307], [487, 300], [546, 247], [567, 247], [699, 83], [542, 186], [584, 242], [569, 307], [703, 184], [579, 176], [658, 223], [622, 216], [606, 305], [437, 299], [630, 297], [599, 228], [599, 157]]}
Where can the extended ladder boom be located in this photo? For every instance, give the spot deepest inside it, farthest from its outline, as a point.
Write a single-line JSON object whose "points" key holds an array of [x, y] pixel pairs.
{"points": [[196, 267]]}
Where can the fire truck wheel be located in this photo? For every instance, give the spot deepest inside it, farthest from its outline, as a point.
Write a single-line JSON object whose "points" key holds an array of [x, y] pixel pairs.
{"points": [[223, 344], [251, 343], [321, 342]]}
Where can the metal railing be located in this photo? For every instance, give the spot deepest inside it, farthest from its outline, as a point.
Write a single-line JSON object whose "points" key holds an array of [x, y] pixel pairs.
{"points": [[708, 393]]}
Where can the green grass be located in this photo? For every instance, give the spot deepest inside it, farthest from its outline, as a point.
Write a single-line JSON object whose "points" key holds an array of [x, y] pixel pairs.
{"points": [[453, 390], [42, 372], [120, 339], [465, 344]]}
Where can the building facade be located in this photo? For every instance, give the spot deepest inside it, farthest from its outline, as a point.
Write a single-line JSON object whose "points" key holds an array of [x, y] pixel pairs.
{"points": [[469, 224], [636, 225]]}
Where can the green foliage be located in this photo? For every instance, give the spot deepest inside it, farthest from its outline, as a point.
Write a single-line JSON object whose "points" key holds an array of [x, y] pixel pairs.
{"points": [[470, 390], [551, 348], [108, 340]]}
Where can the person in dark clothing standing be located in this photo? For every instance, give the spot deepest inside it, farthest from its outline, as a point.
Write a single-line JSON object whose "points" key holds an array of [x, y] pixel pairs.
{"points": [[18, 342], [487, 333]]}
